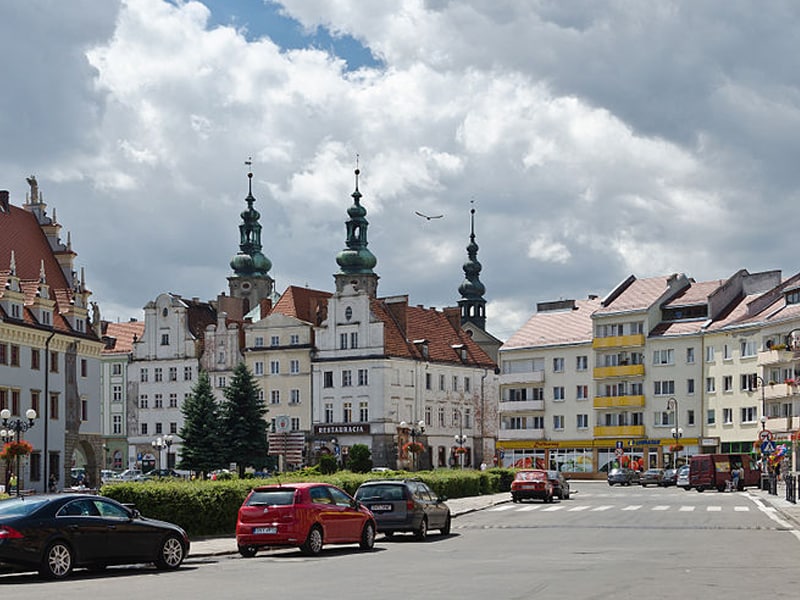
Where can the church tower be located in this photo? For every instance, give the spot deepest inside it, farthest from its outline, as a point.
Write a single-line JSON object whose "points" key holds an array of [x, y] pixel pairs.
{"points": [[250, 280], [356, 261], [472, 304]]}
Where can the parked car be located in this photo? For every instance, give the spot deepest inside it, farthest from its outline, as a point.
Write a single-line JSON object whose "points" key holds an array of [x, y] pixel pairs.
{"points": [[405, 505], [107, 475], [58, 532], [670, 477], [126, 475], [532, 484], [306, 515], [159, 474], [683, 478], [560, 484], [651, 477], [622, 476]]}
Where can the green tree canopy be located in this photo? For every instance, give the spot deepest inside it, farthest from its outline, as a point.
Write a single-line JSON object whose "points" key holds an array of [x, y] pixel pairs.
{"points": [[243, 424], [202, 440], [360, 459]]}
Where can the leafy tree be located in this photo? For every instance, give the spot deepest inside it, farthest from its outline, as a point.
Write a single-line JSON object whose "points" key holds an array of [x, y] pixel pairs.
{"points": [[327, 464], [202, 443], [243, 425], [360, 459]]}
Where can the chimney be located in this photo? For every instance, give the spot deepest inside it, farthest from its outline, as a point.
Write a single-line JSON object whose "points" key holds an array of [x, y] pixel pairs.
{"points": [[4, 201], [453, 314], [398, 308]]}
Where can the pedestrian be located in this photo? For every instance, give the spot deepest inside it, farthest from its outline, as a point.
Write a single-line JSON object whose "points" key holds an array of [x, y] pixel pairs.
{"points": [[53, 483], [735, 478], [12, 483]]}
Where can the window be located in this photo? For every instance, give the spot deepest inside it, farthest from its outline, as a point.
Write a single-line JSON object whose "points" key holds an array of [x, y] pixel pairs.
{"points": [[558, 365], [428, 416], [116, 369], [116, 424], [690, 417], [347, 378], [441, 383], [173, 400], [173, 373], [275, 397], [294, 366], [14, 355], [143, 428], [354, 339], [274, 367], [327, 379], [187, 373], [54, 406], [537, 422], [294, 424], [467, 384], [35, 401], [583, 421], [329, 412], [363, 377], [748, 382], [582, 363], [558, 393], [342, 341], [748, 348], [582, 392], [116, 393], [35, 359], [54, 362], [726, 352], [455, 383], [294, 340], [709, 353], [15, 402], [558, 421], [347, 412], [159, 428], [275, 340], [711, 417], [727, 383], [165, 339], [143, 375], [84, 409], [158, 401], [664, 388], [173, 427], [294, 396], [690, 386], [363, 412], [259, 341], [711, 384], [428, 381], [664, 357], [221, 381], [84, 367], [144, 401], [749, 414], [690, 356], [727, 416], [515, 423], [258, 367], [3, 354], [157, 374], [442, 420]]}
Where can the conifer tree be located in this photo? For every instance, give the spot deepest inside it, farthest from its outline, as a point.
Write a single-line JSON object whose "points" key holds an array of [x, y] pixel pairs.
{"points": [[243, 423], [201, 434]]}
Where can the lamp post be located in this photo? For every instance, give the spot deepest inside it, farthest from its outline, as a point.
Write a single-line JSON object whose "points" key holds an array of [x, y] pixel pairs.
{"points": [[14, 428], [414, 430], [160, 444], [677, 432], [461, 439], [168, 441]]}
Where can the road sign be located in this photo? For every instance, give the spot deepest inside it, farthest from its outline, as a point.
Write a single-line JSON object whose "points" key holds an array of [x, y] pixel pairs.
{"points": [[767, 447], [619, 452], [282, 424], [765, 435], [619, 444]]}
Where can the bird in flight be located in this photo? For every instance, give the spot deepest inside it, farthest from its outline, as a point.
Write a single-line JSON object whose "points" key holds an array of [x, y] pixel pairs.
{"points": [[419, 214]]}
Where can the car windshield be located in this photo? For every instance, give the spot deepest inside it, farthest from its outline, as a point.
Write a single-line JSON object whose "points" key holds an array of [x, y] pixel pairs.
{"points": [[530, 475], [276, 497], [20, 506], [380, 492]]}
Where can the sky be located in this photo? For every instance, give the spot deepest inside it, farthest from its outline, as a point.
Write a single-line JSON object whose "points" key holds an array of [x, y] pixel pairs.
{"points": [[595, 140]]}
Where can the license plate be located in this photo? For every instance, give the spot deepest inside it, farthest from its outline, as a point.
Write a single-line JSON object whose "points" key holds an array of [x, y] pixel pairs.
{"points": [[257, 530], [381, 507]]}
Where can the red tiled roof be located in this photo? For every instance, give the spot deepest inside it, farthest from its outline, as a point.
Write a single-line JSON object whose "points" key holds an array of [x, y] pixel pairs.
{"points": [[119, 336], [556, 327], [302, 303]]}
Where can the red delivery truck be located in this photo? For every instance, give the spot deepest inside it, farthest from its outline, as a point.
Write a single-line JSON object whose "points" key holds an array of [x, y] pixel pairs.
{"points": [[707, 471]]}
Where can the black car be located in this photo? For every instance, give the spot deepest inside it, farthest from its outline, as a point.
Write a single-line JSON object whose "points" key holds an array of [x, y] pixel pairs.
{"points": [[670, 477], [56, 533], [560, 484], [405, 505]]}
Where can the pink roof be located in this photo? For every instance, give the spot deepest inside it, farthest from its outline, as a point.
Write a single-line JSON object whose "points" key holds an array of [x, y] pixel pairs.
{"points": [[639, 295], [556, 327]]}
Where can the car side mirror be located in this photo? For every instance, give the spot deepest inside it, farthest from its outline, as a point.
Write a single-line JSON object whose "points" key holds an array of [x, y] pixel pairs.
{"points": [[441, 499]]}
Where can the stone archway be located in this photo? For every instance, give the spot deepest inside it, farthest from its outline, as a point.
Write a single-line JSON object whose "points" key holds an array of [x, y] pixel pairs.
{"points": [[88, 450]]}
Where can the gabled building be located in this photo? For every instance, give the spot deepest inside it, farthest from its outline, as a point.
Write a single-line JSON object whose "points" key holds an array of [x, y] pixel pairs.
{"points": [[49, 346], [396, 377]]}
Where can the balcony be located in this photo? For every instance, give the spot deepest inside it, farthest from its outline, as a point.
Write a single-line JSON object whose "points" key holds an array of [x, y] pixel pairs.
{"points": [[782, 424], [522, 378], [777, 357], [618, 401], [618, 371], [520, 434], [776, 391], [619, 431], [619, 341], [520, 406]]}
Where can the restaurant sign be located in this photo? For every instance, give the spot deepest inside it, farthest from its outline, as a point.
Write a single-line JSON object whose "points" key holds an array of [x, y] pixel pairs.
{"points": [[341, 428]]}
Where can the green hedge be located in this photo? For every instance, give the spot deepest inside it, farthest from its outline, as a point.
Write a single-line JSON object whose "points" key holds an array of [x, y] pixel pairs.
{"points": [[207, 508]]}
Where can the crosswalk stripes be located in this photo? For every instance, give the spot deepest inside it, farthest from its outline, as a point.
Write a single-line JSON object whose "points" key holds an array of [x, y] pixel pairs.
{"points": [[633, 507], [691, 508], [607, 507]]}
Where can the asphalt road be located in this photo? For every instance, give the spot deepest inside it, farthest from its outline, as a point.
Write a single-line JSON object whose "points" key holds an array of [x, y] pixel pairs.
{"points": [[603, 543]]}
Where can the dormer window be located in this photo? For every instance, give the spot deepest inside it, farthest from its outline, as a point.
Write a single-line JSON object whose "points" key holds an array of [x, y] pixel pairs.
{"points": [[462, 351], [16, 311], [46, 317], [422, 346], [793, 297]]}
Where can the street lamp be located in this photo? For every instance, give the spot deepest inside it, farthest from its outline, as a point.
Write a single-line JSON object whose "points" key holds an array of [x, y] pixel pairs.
{"points": [[14, 428], [460, 439], [677, 432], [160, 444], [763, 403], [414, 430]]}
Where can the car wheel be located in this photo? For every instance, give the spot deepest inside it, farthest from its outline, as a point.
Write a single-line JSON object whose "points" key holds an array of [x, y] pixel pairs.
{"points": [[700, 488], [422, 532], [248, 551], [313, 544], [57, 561], [368, 536], [171, 553], [446, 529], [687, 487], [565, 496]]}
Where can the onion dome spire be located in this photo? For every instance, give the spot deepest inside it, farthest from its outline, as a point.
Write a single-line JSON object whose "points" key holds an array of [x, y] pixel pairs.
{"points": [[473, 305], [250, 261]]}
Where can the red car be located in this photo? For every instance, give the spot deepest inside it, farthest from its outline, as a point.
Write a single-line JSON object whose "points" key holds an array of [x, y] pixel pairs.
{"points": [[306, 515], [532, 483]]}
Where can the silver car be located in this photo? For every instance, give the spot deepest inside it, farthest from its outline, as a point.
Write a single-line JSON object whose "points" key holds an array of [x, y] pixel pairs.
{"points": [[683, 477]]}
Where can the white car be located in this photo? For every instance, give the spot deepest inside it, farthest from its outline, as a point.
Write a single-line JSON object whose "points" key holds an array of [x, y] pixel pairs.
{"points": [[127, 475], [683, 477]]}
